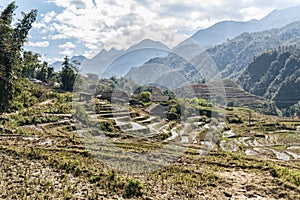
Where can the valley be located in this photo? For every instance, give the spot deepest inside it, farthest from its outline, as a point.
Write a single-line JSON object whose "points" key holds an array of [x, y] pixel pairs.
{"points": [[149, 121], [143, 156]]}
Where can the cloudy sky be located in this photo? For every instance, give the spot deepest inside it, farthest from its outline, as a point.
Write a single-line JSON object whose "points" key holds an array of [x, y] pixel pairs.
{"points": [[84, 27]]}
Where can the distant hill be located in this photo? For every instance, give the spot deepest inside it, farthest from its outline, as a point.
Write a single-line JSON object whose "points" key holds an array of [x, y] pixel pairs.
{"points": [[233, 56], [226, 30], [229, 59], [118, 62], [79, 60], [275, 75], [230, 93], [163, 71], [187, 64]]}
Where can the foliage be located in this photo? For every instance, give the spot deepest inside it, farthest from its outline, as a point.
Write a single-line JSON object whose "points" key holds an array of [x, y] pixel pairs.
{"points": [[230, 103], [275, 75], [289, 175], [133, 188], [233, 56], [30, 64], [12, 40], [42, 73], [144, 96], [67, 75], [107, 125], [234, 119], [113, 83]]}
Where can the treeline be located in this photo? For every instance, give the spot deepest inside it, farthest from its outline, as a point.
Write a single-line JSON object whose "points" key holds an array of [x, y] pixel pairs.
{"points": [[233, 56], [18, 66], [12, 40], [275, 76]]}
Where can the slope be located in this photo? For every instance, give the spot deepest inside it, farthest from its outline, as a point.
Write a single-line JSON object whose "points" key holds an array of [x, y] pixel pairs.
{"points": [[222, 31], [118, 62], [275, 75]]}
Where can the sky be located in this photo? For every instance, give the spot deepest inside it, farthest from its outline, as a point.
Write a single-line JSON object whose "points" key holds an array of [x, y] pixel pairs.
{"points": [[85, 27]]}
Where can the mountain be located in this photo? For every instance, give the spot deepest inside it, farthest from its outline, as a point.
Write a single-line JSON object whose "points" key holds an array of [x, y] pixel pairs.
{"points": [[228, 92], [77, 60], [186, 64], [118, 62], [233, 56], [275, 76], [223, 61], [226, 30]]}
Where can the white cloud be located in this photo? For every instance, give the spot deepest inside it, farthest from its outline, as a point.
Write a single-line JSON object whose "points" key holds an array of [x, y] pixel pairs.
{"points": [[57, 37], [38, 44], [122, 23], [67, 48], [67, 52], [52, 59], [49, 16], [67, 45], [90, 53], [38, 25]]}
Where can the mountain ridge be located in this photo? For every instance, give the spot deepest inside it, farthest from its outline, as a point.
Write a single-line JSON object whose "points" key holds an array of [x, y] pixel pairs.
{"points": [[118, 62], [80, 59], [226, 30], [274, 75], [227, 60]]}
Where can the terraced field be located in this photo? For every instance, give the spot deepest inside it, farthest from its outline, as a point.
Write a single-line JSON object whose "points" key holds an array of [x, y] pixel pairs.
{"points": [[48, 153], [265, 146]]}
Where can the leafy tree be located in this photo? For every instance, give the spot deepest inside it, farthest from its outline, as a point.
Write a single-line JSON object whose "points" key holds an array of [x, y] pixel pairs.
{"points": [[67, 75], [12, 40], [51, 73], [30, 64], [42, 73], [144, 96]]}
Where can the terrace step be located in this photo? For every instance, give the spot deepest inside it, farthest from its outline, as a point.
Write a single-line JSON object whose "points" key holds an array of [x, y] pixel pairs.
{"points": [[122, 119], [148, 121], [114, 115]]}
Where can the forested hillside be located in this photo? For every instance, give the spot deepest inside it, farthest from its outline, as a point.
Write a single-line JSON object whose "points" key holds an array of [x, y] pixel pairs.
{"points": [[233, 56], [230, 58], [275, 75]]}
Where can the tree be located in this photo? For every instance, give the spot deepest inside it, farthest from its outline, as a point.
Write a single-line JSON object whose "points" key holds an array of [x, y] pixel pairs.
{"points": [[230, 103], [144, 96], [30, 64], [42, 73], [51, 73], [67, 75], [12, 40]]}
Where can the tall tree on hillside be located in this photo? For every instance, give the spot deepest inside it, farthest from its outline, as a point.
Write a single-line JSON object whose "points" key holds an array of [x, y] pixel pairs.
{"points": [[30, 64], [42, 72], [12, 39], [67, 75]]}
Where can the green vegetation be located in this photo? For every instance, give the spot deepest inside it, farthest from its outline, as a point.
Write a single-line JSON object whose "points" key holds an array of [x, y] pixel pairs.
{"points": [[68, 76], [12, 40], [144, 96], [274, 75], [55, 146]]}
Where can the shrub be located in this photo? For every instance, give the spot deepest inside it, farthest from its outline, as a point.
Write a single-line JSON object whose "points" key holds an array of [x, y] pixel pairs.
{"points": [[107, 125], [234, 119], [144, 96], [133, 188]]}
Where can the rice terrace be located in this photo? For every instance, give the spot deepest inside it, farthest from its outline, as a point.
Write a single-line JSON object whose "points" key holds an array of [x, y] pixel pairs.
{"points": [[215, 117]]}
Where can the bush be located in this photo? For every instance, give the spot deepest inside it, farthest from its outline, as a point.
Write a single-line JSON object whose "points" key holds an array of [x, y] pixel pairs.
{"points": [[107, 125], [234, 119], [144, 96], [133, 189]]}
